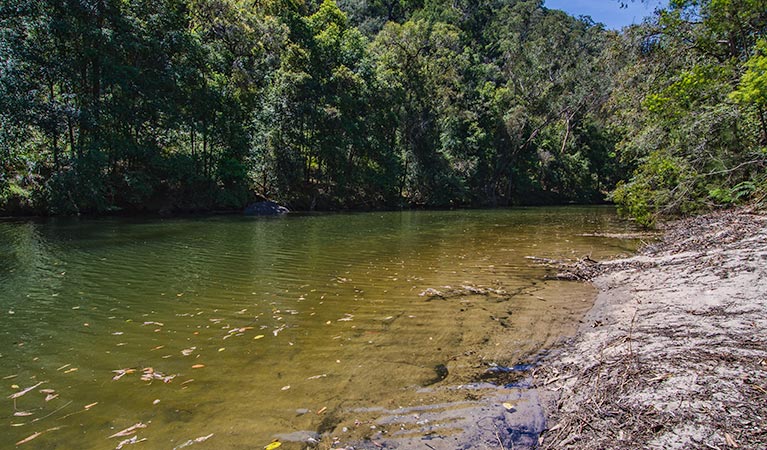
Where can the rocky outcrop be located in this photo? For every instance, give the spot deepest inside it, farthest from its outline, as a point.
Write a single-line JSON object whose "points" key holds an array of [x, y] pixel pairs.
{"points": [[266, 208]]}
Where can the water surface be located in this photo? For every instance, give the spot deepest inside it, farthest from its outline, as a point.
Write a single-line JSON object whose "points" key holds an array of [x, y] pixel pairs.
{"points": [[246, 328]]}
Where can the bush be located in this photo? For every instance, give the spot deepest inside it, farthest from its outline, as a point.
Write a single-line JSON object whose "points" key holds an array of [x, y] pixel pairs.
{"points": [[661, 184]]}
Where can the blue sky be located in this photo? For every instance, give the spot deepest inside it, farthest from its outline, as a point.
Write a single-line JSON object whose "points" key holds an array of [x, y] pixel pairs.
{"points": [[607, 12]]}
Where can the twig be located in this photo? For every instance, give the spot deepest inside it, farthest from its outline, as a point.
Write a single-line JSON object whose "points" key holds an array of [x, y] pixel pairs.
{"points": [[54, 412]]}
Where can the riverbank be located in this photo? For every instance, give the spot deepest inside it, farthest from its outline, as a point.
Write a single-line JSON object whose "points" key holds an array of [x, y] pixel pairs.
{"points": [[674, 352]]}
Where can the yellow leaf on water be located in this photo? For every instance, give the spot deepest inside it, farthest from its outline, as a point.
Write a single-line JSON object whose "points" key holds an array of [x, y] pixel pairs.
{"points": [[273, 445], [91, 405], [198, 366], [260, 336]]}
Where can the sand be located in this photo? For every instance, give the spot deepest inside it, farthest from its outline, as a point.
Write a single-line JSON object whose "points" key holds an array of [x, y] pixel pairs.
{"points": [[673, 355]]}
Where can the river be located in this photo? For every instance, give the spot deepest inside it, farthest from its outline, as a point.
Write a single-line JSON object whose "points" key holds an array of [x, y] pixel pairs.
{"points": [[230, 332]]}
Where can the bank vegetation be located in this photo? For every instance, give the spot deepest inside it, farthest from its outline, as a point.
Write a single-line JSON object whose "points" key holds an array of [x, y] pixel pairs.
{"points": [[196, 105]]}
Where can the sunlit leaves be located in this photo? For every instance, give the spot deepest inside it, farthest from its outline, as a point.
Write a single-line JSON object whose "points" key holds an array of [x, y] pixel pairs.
{"points": [[752, 88]]}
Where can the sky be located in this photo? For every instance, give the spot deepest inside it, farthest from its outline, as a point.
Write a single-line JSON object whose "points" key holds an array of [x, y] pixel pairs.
{"points": [[607, 12]]}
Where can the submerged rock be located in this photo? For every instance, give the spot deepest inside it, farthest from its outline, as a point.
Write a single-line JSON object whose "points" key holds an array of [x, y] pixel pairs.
{"points": [[265, 209], [441, 372]]}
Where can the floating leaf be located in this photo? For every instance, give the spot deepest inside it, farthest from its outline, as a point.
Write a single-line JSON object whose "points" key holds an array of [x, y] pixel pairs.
{"points": [[91, 405], [260, 336], [194, 441], [73, 369], [273, 445], [128, 431], [22, 413], [36, 435], [22, 392], [50, 397], [198, 366], [29, 438], [129, 441], [285, 388], [149, 374], [121, 373], [508, 406]]}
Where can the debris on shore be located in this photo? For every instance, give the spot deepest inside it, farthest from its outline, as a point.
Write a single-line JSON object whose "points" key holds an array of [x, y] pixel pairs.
{"points": [[674, 352]]}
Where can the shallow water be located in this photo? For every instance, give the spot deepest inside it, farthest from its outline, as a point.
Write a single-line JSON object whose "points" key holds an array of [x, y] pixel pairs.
{"points": [[258, 324]]}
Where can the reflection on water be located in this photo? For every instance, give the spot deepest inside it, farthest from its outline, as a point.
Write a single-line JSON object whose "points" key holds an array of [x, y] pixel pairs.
{"points": [[247, 328]]}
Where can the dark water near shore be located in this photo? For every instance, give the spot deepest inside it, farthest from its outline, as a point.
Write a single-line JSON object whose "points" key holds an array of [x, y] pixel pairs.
{"points": [[245, 328]]}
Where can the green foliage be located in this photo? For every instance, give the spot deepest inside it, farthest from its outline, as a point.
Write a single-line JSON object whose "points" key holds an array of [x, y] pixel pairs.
{"points": [[208, 104], [752, 88], [659, 186], [696, 121], [734, 194]]}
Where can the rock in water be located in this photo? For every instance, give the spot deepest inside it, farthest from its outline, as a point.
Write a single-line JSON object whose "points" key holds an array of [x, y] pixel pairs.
{"points": [[441, 373], [265, 209]]}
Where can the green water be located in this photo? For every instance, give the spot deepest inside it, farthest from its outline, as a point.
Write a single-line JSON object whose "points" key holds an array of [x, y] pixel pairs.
{"points": [[261, 323]]}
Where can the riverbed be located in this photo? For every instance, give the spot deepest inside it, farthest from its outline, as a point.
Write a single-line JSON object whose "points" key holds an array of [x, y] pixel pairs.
{"points": [[234, 332]]}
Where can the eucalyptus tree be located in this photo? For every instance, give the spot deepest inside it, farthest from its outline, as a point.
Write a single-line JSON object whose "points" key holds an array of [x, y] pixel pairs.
{"points": [[419, 64], [316, 142]]}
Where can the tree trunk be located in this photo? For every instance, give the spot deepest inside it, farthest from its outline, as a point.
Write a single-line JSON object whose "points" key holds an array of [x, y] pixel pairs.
{"points": [[205, 156], [192, 132], [54, 134], [763, 121], [567, 134], [71, 130]]}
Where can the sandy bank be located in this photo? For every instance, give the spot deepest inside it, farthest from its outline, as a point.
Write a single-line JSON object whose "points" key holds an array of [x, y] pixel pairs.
{"points": [[674, 352]]}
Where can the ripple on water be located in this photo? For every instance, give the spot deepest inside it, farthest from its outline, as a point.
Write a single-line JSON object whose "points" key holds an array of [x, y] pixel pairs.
{"points": [[249, 320]]}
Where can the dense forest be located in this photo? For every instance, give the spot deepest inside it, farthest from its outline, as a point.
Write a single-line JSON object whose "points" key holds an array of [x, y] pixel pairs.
{"points": [[199, 105]]}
